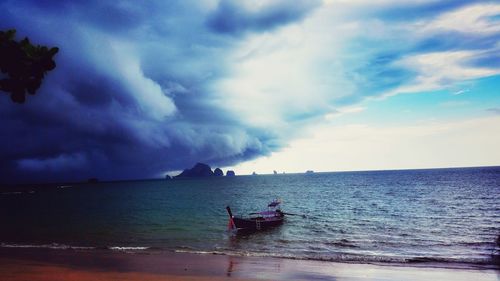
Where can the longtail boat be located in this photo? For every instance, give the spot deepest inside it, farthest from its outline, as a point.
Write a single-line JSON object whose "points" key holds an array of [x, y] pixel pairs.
{"points": [[272, 217]]}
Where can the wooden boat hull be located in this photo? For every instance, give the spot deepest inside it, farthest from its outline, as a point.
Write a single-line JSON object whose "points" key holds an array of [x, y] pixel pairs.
{"points": [[257, 223], [264, 220]]}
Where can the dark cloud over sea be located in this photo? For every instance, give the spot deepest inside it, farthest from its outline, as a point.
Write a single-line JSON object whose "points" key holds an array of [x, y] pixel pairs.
{"points": [[128, 98], [146, 87]]}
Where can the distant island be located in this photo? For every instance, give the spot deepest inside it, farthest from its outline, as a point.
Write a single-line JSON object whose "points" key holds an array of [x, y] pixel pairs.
{"points": [[309, 172], [218, 172], [202, 170]]}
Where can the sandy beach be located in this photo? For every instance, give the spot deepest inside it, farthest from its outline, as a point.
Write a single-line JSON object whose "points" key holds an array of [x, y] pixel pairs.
{"points": [[58, 265]]}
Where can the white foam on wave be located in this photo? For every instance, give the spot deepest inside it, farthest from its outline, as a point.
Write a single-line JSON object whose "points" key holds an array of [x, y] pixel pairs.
{"points": [[119, 248], [57, 246], [200, 252], [54, 246], [17, 192], [235, 253], [346, 258]]}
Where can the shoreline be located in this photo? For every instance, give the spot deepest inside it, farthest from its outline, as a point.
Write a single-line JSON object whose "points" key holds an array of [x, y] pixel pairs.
{"points": [[18, 264], [138, 250]]}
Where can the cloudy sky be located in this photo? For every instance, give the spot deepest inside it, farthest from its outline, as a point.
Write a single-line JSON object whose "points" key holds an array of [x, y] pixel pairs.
{"points": [[144, 88]]}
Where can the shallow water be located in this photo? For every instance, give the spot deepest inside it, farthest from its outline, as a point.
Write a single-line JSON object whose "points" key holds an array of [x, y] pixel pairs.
{"points": [[445, 215]]}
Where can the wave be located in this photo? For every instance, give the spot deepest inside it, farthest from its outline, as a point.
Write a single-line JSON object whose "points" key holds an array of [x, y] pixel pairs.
{"points": [[57, 246], [17, 192], [11, 193], [492, 262], [355, 258], [121, 248], [427, 260], [54, 246], [199, 252], [342, 243], [225, 252]]}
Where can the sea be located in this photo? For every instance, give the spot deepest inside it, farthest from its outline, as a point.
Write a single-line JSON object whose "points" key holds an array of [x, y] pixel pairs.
{"points": [[444, 216]]}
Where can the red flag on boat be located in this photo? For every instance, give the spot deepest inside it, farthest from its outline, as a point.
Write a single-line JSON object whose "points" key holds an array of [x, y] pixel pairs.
{"points": [[230, 224]]}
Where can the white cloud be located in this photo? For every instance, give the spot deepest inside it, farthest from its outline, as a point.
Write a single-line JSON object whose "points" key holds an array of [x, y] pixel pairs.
{"points": [[469, 19], [472, 142], [438, 70], [379, 3], [308, 66], [343, 111], [292, 70], [144, 90], [461, 92]]}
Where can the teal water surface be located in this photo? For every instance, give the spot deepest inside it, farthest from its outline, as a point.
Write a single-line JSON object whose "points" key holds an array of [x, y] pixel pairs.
{"points": [[444, 215]]}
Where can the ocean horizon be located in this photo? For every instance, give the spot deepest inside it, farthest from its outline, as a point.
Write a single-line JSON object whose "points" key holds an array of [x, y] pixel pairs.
{"points": [[172, 175]]}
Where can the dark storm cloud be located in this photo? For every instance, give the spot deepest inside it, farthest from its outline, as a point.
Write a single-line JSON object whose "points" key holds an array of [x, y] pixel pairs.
{"points": [[233, 18], [136, 91], [128, 98]]}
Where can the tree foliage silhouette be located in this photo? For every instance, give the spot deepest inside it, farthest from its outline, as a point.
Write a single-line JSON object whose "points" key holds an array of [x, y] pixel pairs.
{"points": [[23, 65]]}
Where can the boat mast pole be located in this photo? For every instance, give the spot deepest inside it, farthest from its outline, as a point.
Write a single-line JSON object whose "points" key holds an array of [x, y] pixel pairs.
{"points": [[229, 212]]}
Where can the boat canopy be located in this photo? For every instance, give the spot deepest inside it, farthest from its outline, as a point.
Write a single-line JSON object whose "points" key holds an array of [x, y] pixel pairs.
{"points": [[267, 213], [275, 203]]}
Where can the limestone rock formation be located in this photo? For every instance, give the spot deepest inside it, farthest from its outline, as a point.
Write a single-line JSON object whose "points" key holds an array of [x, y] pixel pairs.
{"points": [[198, 171], [218, 172]]}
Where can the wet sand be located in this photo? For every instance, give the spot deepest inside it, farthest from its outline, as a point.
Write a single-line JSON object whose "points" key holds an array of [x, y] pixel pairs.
{"points": [[57, 265]]}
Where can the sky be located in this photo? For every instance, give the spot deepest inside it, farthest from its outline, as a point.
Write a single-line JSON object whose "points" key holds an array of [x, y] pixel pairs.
{"points": [[146, 88]]}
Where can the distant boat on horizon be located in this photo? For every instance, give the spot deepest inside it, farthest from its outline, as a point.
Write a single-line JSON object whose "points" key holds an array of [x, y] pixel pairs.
{"points": [[309, 172]]}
